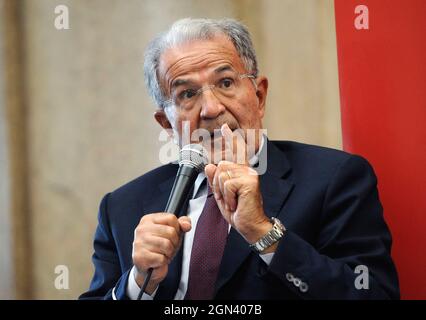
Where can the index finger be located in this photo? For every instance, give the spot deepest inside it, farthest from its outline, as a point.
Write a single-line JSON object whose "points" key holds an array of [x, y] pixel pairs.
{"points": [[235, 142], [167, 219]]}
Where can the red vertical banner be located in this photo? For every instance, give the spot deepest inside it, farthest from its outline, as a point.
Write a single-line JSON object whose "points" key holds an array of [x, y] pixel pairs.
{"points": [[382, 75]]}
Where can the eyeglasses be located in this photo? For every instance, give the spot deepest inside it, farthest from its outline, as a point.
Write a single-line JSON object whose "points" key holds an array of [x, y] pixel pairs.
{"points": [[225, 85]]}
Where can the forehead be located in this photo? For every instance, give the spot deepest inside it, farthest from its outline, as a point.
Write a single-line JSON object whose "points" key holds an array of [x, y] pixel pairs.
{"points": [[196, 57]]}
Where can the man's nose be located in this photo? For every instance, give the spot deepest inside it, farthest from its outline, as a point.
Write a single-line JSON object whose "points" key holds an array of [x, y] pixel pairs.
{"points": [[211, 106]]}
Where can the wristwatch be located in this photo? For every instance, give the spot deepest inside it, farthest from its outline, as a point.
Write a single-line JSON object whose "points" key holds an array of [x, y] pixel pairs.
{"points": [[275, 234]]}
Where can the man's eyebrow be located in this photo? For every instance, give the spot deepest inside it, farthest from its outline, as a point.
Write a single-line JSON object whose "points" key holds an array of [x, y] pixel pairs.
{"points": [[226, 67], [180, 82]]}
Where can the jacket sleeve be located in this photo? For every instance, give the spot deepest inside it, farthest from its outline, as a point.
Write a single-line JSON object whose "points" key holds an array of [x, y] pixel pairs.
{"points": [[352, 233], [108, 282]]}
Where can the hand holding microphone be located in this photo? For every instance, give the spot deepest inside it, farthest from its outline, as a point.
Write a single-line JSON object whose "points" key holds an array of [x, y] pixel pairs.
{"points": [[157, 239], [158, 236]]}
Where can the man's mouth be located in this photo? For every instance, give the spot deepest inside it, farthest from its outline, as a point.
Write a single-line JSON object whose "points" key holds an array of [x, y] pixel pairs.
{"points": [[217, 133]]}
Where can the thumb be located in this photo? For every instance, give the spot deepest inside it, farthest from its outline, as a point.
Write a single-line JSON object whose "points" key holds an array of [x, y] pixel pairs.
{"points": [[185, 223]]}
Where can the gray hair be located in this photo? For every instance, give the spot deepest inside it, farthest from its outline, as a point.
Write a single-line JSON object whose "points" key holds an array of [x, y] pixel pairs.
{"points": [[189, 29]]}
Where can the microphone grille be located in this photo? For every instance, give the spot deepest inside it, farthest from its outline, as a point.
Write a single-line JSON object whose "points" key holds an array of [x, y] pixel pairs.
{"points": [[193, 155]]}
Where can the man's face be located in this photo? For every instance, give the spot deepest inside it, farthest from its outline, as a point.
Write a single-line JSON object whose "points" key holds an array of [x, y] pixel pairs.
{"points": [[210, 65]]}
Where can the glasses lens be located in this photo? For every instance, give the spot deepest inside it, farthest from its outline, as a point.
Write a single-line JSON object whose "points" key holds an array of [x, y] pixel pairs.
{"points": [[224, 86]]}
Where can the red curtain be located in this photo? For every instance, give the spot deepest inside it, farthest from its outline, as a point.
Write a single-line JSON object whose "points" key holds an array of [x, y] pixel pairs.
{"points": [[382, 76]]}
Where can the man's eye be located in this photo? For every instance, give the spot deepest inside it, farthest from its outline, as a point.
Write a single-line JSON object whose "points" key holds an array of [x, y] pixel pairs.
{"points": [[187, 94], [226, 83]]}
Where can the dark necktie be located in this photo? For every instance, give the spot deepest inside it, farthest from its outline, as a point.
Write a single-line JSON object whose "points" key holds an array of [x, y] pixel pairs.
{"points": [[207, 250]]}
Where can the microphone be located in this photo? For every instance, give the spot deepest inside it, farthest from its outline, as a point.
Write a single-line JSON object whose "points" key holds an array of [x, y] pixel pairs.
{"points": [[192, 160]]}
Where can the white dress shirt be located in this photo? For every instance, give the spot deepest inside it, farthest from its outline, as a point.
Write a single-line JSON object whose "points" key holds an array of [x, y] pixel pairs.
{"points": [[195, 208]]}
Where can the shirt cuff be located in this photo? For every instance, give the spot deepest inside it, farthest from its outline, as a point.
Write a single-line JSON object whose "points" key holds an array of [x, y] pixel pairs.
{"points": [[267, 257], [133, 288]]}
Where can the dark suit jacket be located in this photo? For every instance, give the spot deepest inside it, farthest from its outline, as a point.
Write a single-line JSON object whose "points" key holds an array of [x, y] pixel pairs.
{"points": [[327, 200]]}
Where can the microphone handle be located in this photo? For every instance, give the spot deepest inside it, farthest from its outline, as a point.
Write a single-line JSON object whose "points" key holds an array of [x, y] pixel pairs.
{"points": [[184, 181]]}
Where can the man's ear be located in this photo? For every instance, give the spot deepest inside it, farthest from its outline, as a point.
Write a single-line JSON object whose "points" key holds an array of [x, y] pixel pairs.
{"points": [[161, 118], [261, 93]]}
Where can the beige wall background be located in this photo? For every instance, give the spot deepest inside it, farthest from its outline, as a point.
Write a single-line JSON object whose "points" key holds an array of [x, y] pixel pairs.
{"points": [[6, 283], [76, 121]]}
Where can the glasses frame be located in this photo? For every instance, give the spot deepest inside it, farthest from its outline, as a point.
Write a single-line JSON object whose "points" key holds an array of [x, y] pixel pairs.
{"points": [[170, 102]]}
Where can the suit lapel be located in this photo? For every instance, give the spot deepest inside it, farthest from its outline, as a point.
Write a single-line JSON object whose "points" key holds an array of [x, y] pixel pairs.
{"points": [[275, 187]]}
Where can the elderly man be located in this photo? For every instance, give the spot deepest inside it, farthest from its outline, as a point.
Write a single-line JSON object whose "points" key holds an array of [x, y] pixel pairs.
{"points": [[310, 227]]}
